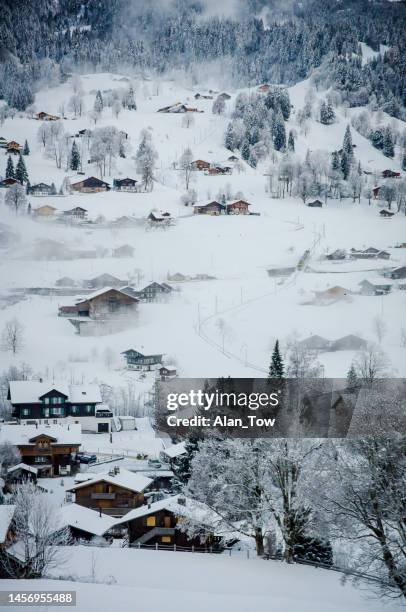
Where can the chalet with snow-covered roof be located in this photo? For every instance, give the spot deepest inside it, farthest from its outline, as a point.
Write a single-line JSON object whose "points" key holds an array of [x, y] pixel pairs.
{"points": [[45, 211], [137, 361], [216, 169], [315, 204], [375, 192], [337, 255], [386, 214], [224, 96], [369, 253], [397, 273], [104, 280], [351, 342], [77, 212], [41, 189], [154, 291], [177, 277], [163, 218], [167, 372], [333, 294], [315, 343], [43, 116], [13, 147], [125, 184], [160, 524], [114, 493], [200, 164], [22, 472], [8, 182], [106, 302], [91, 185], [84, 523], [49, 448], [390, 174], [239, 207], [370, 287], [212, 208]]}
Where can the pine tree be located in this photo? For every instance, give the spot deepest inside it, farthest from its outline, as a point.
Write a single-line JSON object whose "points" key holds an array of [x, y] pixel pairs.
{"points": [[10, 172], [26, 150], [327, 114], [230, 137], [245, 150], [98, 103], [345, 165], [347, 144], [279, 132], [388, 146], [74, 157], [352, 378], [129, 99], [335, 161], [377, 139], [21, 173], [291, 141], [277, 368], [182, 467]]}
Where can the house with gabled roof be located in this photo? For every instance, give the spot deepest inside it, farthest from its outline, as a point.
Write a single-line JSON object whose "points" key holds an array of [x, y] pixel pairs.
{"points": [[106, 302], [91, 185], [140, 362], [41, 189], [125, 184], [212, 208]]}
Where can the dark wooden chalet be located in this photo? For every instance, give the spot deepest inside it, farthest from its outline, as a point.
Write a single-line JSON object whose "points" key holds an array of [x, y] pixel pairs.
{"points": [[76, 213], [41, 189], [125, 184], [163, 218], [104, 303], [386, 214], [91, 185], [397, 273], [137, 361], [22, 472], [104, 280], [212, 208], [51, 449], [33, 401], [8, 182], [217, 170], [167, 372], [390, 174], [154, 291], [239, 207], [374, 288], [115, 493], [84, 523], [315, 204], [14, 147], [160, 524], [200, 164], [43, 116]]}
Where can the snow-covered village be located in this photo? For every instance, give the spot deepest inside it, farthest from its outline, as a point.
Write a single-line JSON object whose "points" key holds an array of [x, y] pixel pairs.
{"points": [[195, 194]]}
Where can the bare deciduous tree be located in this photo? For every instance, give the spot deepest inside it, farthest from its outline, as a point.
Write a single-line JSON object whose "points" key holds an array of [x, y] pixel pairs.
{"points": [[12, 338]]}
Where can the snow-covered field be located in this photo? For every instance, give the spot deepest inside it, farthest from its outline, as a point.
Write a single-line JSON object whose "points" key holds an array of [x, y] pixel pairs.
{"points": [[179, 582], [251, 308]]}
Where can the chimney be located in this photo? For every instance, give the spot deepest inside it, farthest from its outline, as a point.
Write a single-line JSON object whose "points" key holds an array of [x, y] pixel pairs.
{"points": [[100, 512]]}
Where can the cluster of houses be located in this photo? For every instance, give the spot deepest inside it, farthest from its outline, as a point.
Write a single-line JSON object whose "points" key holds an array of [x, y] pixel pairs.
{"points": [[369, 253], [350, 342], [213, 169]]}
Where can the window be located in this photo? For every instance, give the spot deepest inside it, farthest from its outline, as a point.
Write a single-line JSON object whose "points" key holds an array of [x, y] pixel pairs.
{"points": [[46, 412], [88, 408], [75, 409], [25, 412], [46, 400], [57, 411], [166, 539], [151, 521]]}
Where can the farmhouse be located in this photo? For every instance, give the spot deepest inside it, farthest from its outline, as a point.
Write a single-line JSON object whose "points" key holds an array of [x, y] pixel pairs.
{"points": [[78, 213], [390, 174], [369, 253], [104, 280], [160, 524], [125, 250], [21, 473], [200, 164], [349, 343], [44, 403], [91, 185], [398, 272], [125, 184], [48, 448], [212, 208], [137, 361], [41, 189], [42, 116], [315, 343], [167, 372], [315, 204], [115, 493], [103, 303], [13, 147], [154, 291], [337, 255], [173, 452], [45, 211], [239, 207], [84, 523], [374, 288], [8, 182], [386, 214]]}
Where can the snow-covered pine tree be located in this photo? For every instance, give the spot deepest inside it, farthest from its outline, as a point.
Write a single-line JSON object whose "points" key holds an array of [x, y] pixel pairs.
{"points": [[377, 139], [182, 466], [277, 368], [74, 157], [21, 173], [26, 149], [388, 147], [98, 103], [10, 172], [327, 114], [347, 144], [219, 106], [291, 141], [335, 161], [129, 99], [279, 132], [245, 150], [229, 140], [352, 378]]}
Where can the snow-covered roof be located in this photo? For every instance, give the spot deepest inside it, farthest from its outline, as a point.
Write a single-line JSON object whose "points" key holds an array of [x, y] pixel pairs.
{"points": [[29, 392], [123, 478], [6, 516], [175, 451], [85, 519], [23, 466], [20, 435]]}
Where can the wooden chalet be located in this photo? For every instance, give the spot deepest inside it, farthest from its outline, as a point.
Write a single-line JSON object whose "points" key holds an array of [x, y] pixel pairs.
{"points": [[369, 253], [390, 174], [41, 189], [163, 218], [337, 255], [200, 164], [50, 449], [114, 493], [14, 147], [333, 294], [232, 158], [315, 204], [177, 277], [219, 170], [76, 213], [154, 291], [167, 372], [106, 302], [199, 96], [239, 207], [160, 524], [126, 250], [85, 524], [375, 192], [397, 273], [43, 116], [45, 211], [145, 363], [8, 182], [212, 208], [369, 287], [105, 280], [125, 184], [91, 185], [22, 472], [224, 96], [315, 343], [386, 214], [349, 343]]}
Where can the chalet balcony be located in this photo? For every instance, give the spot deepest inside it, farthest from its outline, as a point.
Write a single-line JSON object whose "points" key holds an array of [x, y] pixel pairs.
{"points": [[103, 496]]}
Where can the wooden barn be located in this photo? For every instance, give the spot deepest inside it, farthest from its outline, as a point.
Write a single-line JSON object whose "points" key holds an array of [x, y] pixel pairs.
{"points": [[91, 185], [125, 184], [212, 208], [102, 303], [239, 207]]}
